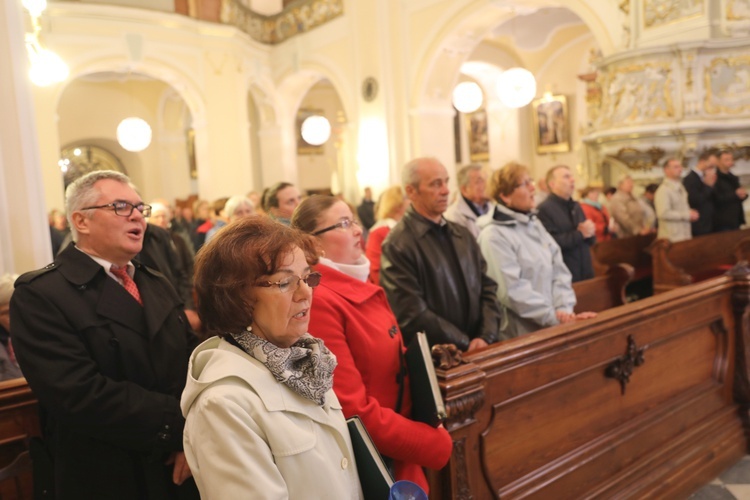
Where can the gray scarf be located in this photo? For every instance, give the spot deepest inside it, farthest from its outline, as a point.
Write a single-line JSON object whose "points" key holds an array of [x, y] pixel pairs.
{"points": [[306, 367]]}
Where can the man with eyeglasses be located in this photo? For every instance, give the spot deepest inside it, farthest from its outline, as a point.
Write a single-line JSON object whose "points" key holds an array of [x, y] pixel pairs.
{"points": [[432, 270], [104, 344]]}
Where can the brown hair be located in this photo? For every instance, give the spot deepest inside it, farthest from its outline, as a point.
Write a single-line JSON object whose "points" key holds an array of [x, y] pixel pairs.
{"points": [[585, 191], [505, 180], [307, 214], [229, 265]]}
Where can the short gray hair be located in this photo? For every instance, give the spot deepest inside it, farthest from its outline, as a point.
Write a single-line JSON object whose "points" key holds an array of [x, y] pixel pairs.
{"points": [[6, 287], [409, 175], [462, 177], [235, 202], [81, 193]]}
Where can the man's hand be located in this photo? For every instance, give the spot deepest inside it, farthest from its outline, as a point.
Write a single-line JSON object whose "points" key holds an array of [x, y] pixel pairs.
{"points": [[181, 468], [476, 343], [587, 228], [741, 193], [694, 215]]}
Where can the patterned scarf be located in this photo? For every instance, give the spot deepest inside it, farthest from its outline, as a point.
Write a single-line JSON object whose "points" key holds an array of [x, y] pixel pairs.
{"points": [[306, 367]]}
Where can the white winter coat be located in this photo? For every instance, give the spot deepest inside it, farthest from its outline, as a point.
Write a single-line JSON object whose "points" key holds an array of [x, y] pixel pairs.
{"points": [[460, 213], [533, 281], [249, 436]]}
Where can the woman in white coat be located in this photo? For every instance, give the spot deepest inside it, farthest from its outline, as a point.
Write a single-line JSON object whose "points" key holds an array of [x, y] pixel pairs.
{"points": [[262, 420], [534, 285]]}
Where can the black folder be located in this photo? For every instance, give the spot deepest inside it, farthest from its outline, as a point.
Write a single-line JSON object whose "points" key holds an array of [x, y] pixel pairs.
{"points": [[374, 476], [426, 401]]}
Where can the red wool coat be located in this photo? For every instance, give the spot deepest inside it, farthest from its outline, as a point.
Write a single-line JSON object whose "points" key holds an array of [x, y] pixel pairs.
{"points": [[356, 323]]}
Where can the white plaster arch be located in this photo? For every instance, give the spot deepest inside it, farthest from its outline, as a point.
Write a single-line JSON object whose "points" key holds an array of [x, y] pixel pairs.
{"points": [[464, 26]]}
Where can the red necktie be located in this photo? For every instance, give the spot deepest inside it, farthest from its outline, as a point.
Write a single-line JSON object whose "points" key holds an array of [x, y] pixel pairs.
{"points": [[127, 282]]}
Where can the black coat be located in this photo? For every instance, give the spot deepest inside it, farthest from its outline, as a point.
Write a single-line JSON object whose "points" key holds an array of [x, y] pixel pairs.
{"points": [[108, 375], [426, 296], [561, 218], [700, 198], [729, 213]]}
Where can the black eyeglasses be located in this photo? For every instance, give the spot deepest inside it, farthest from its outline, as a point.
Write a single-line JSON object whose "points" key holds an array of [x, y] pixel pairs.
{"points": [[344, 224], [291, 284], [124, 208]]}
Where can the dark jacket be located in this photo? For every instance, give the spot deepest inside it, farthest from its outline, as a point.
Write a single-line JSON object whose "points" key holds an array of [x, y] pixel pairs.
{"points": [[561, 218], [108, 375], [700, 198], [426, 296], [159, 252], [729, 214]]}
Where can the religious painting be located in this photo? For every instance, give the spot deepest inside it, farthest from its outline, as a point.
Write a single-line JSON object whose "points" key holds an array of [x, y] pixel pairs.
{"points": [[551, 124], [479, 140], [303, 148]]}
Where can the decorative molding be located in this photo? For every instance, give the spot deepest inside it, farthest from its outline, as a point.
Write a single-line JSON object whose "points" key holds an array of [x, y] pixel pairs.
{"points": [[446, 356], [301, 17], [462, 409], [738, 10], [636, 159], [622, 368], [463, 491], [727, 85], [662, 12]]}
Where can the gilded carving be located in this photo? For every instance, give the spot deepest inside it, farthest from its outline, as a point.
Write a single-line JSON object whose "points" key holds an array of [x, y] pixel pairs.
{"points": [[661, 12], [727, 84], [305, 16], [638, 93], [738, 10], [640, 160]]}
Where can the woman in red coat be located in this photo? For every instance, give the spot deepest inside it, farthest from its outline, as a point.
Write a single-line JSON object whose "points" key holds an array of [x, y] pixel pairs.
{"points": [[354, 319]]}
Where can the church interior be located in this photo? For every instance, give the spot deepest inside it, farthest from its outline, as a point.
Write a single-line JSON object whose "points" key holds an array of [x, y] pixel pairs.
{"points": [[610, 88]]}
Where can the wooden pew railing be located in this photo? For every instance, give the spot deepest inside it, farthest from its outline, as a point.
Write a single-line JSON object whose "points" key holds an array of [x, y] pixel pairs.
{"points": [[690, 261], [603, 292], [623, 250], [19, 421], [640, 402]]}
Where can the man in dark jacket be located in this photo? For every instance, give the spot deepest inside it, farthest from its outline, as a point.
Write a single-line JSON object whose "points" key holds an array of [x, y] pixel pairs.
{"points": [[699, 184], [728, 196], [432, 270], [104, 344], [564, 220]]}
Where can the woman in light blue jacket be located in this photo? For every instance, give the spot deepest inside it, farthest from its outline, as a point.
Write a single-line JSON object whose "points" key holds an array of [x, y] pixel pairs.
{"points": [[534, 286]]}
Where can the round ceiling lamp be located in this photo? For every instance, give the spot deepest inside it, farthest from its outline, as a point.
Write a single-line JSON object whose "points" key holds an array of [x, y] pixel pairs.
{"points": [[516, 87], [35, 7], [134, 134], [467, 97], [47, 67], [316, 130]]}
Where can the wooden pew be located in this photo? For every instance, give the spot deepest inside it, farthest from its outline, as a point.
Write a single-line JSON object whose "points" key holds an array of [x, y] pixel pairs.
{"points": [[603, 292], [685, 262], [640, 402], [624, 250], [19, 421]]}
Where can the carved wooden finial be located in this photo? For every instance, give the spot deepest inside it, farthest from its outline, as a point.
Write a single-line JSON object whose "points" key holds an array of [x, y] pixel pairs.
{"points": [[446, 356]]}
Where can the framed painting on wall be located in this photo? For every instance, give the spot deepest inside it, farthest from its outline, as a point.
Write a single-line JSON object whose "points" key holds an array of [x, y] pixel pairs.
{"points": [[479, 143], [303, 148], [551, 124]]}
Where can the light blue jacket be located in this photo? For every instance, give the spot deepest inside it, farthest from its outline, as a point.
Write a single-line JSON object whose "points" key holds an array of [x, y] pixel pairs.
{"points": [[533, 281]]}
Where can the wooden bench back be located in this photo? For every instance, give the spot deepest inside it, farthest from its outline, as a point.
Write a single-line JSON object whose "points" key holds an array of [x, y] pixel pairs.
{"points": [[630, 251], [636, 403]]}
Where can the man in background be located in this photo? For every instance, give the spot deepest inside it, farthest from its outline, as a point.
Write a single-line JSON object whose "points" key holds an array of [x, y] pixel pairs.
{"points": [[672, 209], [471, 201], [699, 184], [728, 196], [565, 221]]}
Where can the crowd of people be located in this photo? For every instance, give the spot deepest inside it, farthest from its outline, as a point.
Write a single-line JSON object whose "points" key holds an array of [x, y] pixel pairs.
{"points": [[218, 349]]}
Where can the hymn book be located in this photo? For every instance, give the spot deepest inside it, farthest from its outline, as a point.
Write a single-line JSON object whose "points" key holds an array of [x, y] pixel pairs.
{"points": [[374, 476], [426, 401]]}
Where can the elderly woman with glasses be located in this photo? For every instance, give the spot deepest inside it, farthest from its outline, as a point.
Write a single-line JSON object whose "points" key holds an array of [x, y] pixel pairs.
{"points": [[534, 285], [262, 420], [354, 319]]}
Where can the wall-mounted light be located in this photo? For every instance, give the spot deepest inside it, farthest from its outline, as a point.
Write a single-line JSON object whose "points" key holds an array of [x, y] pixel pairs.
{"points": [[134, 134], [516, 87], [316, 130], [47, 67], [467, 97]]}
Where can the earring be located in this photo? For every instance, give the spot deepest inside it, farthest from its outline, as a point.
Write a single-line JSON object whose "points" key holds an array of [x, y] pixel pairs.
{"points": [[249, 328], [322, 253]]}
